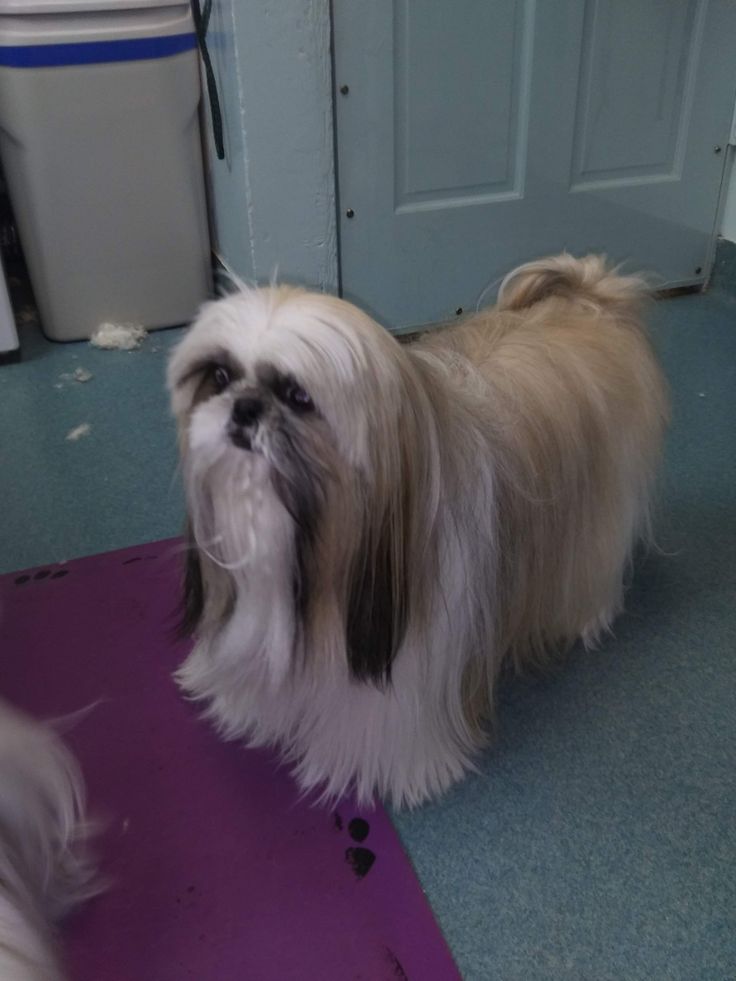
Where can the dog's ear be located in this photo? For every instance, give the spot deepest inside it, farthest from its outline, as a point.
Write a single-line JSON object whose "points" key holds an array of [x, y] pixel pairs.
{"points": [[192, 608], [395, 560], [378, 600], [209, 594]]}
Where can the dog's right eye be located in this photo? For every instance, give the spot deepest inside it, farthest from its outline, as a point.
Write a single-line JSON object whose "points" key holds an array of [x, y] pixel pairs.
{"points": [[220, 376]]}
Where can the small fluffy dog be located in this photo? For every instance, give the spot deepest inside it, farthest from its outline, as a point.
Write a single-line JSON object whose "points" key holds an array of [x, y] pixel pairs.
{"points": [[43, 870], [377, 528]]}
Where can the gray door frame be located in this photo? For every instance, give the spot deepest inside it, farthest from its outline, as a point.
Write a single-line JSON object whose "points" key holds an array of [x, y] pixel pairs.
{"points": [[272, 199]]}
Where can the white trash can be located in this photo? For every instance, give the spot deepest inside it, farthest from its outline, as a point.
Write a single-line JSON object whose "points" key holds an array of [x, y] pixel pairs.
{"points": [[99, 140]]}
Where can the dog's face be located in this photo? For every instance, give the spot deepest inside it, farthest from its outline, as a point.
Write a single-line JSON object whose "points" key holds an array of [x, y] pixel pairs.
{"points": [[291, 409], [267, 371]]}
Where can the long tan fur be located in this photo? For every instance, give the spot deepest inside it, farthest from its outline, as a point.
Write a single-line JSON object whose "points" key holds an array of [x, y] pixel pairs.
{"points": [[574, 405]]}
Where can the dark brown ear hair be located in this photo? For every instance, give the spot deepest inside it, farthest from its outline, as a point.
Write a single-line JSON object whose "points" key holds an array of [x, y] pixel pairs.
{"points": [[389, 570], [192, 601], [208, 594], [378, 602]]}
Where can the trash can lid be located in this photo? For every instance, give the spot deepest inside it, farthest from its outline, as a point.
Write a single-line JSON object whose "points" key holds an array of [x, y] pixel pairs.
{"points": [[75, 32], [17, 7]]}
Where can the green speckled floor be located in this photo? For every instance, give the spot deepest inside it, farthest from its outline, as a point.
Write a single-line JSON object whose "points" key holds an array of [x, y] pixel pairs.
{"points": [[116, 486], [599, 840]]}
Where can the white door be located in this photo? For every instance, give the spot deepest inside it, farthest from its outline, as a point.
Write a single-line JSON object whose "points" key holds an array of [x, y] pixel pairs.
{"points": [[476, 134]]}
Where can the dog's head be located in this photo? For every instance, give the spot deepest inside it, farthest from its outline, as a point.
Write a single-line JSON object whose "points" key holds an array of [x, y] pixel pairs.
{"points": [[302, 435]]}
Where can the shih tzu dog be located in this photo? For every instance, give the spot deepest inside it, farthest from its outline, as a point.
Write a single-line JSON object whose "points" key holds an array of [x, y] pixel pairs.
{"points": [[44, 871], [377, 528]]}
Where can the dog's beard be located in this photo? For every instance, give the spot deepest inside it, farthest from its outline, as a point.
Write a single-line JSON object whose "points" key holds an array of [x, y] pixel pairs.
{"points": [[239, 524], [226, 488]]}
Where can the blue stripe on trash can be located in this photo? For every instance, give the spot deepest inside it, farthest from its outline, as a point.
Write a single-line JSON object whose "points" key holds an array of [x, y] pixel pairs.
{"points": [[94, 52]]}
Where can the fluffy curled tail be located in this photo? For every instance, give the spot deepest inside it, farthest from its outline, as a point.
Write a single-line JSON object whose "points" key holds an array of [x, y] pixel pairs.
{"points": [[589, 280]]}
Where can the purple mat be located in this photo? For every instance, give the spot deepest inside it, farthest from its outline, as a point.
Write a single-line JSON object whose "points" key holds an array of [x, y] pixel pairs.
{"points": [[219, 872]]}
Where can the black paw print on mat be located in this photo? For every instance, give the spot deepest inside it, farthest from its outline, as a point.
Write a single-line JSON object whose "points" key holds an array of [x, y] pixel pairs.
{"points": [[359, 858], [138, 558], [41, 574]]}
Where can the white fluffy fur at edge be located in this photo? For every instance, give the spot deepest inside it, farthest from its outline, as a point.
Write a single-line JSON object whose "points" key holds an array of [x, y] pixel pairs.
{"points": [[43, 869]]}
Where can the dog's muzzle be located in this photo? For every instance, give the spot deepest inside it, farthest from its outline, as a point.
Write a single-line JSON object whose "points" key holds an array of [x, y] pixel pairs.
{"points": [[246, 412]]}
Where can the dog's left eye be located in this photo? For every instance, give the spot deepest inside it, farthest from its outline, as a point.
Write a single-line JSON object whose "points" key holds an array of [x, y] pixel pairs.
{"points": [[295, 396], [220, 376]]}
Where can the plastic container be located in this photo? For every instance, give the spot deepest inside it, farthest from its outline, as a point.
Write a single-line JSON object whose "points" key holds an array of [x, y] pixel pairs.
{"points": [[100, 144], [8, 333]]}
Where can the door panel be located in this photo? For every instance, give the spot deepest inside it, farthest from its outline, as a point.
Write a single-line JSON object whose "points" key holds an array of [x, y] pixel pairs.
{"points": [[635, 80], [477, 134], [457, 138]]}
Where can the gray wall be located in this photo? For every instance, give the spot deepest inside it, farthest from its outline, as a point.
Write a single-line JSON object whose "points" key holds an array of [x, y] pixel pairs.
{"points": [[273, 197], [728, 222]]}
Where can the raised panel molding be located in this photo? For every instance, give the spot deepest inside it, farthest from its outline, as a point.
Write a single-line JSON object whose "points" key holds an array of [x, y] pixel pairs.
{"points": [[461, 102], [637, 69]]}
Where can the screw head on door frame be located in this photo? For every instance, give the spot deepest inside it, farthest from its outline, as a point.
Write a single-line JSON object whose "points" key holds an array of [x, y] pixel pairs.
{"points": [[344, 89], [350, 213]]}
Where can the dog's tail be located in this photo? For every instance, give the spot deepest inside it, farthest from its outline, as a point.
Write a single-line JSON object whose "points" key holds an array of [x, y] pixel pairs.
{"points": [[589, 280]]}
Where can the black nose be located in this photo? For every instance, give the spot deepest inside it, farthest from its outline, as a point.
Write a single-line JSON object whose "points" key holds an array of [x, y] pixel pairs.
{"points": [[247, 410]]}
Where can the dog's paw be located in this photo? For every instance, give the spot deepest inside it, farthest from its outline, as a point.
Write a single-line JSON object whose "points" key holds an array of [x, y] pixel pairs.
{"points": [[40, 576]]}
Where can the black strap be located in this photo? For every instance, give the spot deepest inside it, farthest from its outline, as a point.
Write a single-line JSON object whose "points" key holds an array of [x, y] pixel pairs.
{"points": [[201, 22]]}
